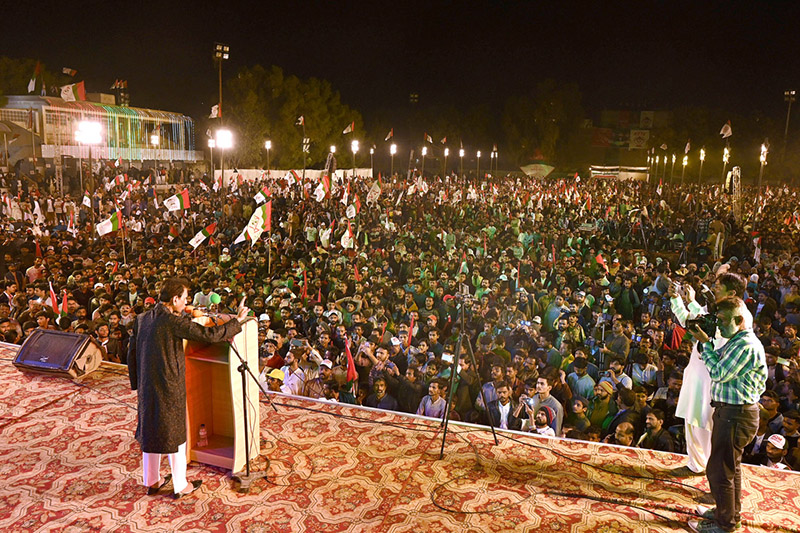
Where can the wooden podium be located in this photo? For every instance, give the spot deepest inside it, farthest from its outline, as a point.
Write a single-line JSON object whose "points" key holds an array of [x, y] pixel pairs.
{"points": [[214, 398]]}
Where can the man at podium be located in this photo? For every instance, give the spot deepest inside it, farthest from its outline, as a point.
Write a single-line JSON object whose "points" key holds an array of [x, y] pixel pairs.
{"points": [[156, 368]]}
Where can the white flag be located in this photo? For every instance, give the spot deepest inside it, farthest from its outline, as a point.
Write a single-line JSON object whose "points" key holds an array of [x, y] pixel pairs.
{"points": [[319, 193], [351, 211], [214, 113], [726, 130]]}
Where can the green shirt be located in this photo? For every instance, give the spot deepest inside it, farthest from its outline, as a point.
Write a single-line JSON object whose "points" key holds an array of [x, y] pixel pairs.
{"points": [[738, 369]]}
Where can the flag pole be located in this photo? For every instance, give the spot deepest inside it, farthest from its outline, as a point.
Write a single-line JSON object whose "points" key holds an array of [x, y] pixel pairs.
{"points": [[33, 142], [269, 252], [122, 235]]}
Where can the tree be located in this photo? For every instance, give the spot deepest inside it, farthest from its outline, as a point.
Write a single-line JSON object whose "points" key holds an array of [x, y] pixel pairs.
{"points": [[16, 73], [542, 124], [265, 104]]}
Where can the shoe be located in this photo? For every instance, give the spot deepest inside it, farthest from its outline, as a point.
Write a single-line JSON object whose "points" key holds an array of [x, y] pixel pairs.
{"points": [[708, 514], [706, 499], [152, 491], [705, 526], [685, 471], [194, 484]]}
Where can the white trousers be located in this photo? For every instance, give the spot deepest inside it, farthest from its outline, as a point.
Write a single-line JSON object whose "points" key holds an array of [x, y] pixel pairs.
{"points": [[151, 467], [698, 447]]}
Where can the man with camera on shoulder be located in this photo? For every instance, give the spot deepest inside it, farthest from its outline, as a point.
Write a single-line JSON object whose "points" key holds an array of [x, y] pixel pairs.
{"points": [[738, 372]]}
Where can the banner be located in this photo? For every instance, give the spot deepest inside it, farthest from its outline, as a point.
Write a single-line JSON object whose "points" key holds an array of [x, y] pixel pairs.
{"points": [[638, 139]]}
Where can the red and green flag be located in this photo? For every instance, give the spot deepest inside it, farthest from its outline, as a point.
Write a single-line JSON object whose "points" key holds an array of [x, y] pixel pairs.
{"points": [[203, 234], [178, 201], [112, 223]]}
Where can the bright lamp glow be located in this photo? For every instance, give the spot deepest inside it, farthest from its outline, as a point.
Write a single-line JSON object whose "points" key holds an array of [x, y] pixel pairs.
{"points": [[702, 154], [763, 157], [673, 158], [154, 140], [726, 155], [333, 148], [393, 149], [685, 160], [424, 151], [212, 143], [461, 153], [446, 152], [224, 139], [89, 132], [268, 145], [354, 147], [479, 154]]}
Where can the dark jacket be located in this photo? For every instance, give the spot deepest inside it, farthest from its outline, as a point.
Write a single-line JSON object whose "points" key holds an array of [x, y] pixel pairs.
{"points": [[494, 413], [157, 370]]}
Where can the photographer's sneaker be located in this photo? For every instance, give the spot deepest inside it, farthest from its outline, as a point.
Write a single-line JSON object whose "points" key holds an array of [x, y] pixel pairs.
{"points": [[708, 513]]}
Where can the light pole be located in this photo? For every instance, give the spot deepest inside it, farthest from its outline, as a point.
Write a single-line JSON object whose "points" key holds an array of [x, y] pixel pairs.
{"points": [[211, 144], [461, 155], [372, 161], [424, 153], [683, 170], [496, 155], [657, 159], [478, 168], [154, 141], [354, 148], [224, 142], [446, 153], [702, 158], [726, 156], [788, 96], [268, 146], [88, 133], [763, 159], [221, 53], [392, 151], [672, 170]]}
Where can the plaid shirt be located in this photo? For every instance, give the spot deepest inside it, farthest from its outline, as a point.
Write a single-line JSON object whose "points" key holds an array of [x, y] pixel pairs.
{"points": [[738, 369]]}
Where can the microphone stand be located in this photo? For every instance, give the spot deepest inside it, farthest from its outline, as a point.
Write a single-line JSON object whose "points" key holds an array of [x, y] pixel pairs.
{"points": [[463, 340]]}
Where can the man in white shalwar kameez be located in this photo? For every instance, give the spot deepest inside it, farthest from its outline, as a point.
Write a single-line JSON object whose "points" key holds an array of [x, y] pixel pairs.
{"points": [[694, 400]]}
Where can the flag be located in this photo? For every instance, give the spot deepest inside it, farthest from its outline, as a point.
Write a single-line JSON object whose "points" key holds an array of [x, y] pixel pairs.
{"points": [[64, 305], [349, 129], [494, 148], [86, 200], [73, 92], [663, 146], [389, 135], [726, 130], [262, 195], [358, 205], [110, 224], [658, 189], [36, 71], [53, 298], [601, 262], [444, 140], [428, 138], [38, 249], [178, 201], [350, 211], [118, 162], [204, 233], [687, 147], [352, 373], [69, 71], [356, 274], [268, 216], [214, 111], [257, 224], [300, 121]]}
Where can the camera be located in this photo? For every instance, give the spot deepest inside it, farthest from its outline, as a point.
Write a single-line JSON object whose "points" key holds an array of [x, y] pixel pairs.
{"points": [[296, 343], [706, 323]]}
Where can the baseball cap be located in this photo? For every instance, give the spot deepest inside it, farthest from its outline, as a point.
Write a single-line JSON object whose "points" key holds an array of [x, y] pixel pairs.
{"points": [[537, 320], [276, 374], [326, 362], [263, 317], [779, 441], [149, 300], [606, 386], [395, 341]]}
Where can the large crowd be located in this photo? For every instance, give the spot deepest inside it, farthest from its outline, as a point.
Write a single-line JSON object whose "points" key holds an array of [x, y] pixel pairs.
{"points": [[561, 292]]}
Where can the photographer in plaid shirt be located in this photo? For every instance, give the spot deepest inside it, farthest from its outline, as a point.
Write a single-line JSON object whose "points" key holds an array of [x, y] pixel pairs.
{"points": [[738, 377]]}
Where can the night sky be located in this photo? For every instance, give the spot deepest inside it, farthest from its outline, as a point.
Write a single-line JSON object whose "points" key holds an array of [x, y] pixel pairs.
{"points": [[738, 56]]}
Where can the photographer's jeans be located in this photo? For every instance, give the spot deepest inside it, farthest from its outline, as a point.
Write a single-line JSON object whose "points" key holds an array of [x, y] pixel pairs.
{"points": [[734, 427]]}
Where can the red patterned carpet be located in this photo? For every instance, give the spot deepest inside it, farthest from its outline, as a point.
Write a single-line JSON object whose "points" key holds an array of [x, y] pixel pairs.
{"points": [[68, 462]]}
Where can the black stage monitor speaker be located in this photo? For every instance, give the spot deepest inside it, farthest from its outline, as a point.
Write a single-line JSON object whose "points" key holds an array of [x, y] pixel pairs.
{"points": [[60, 353]]}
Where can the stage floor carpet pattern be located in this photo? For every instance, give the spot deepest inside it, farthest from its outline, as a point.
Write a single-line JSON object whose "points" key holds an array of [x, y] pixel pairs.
{"points": [[68, 462]]}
